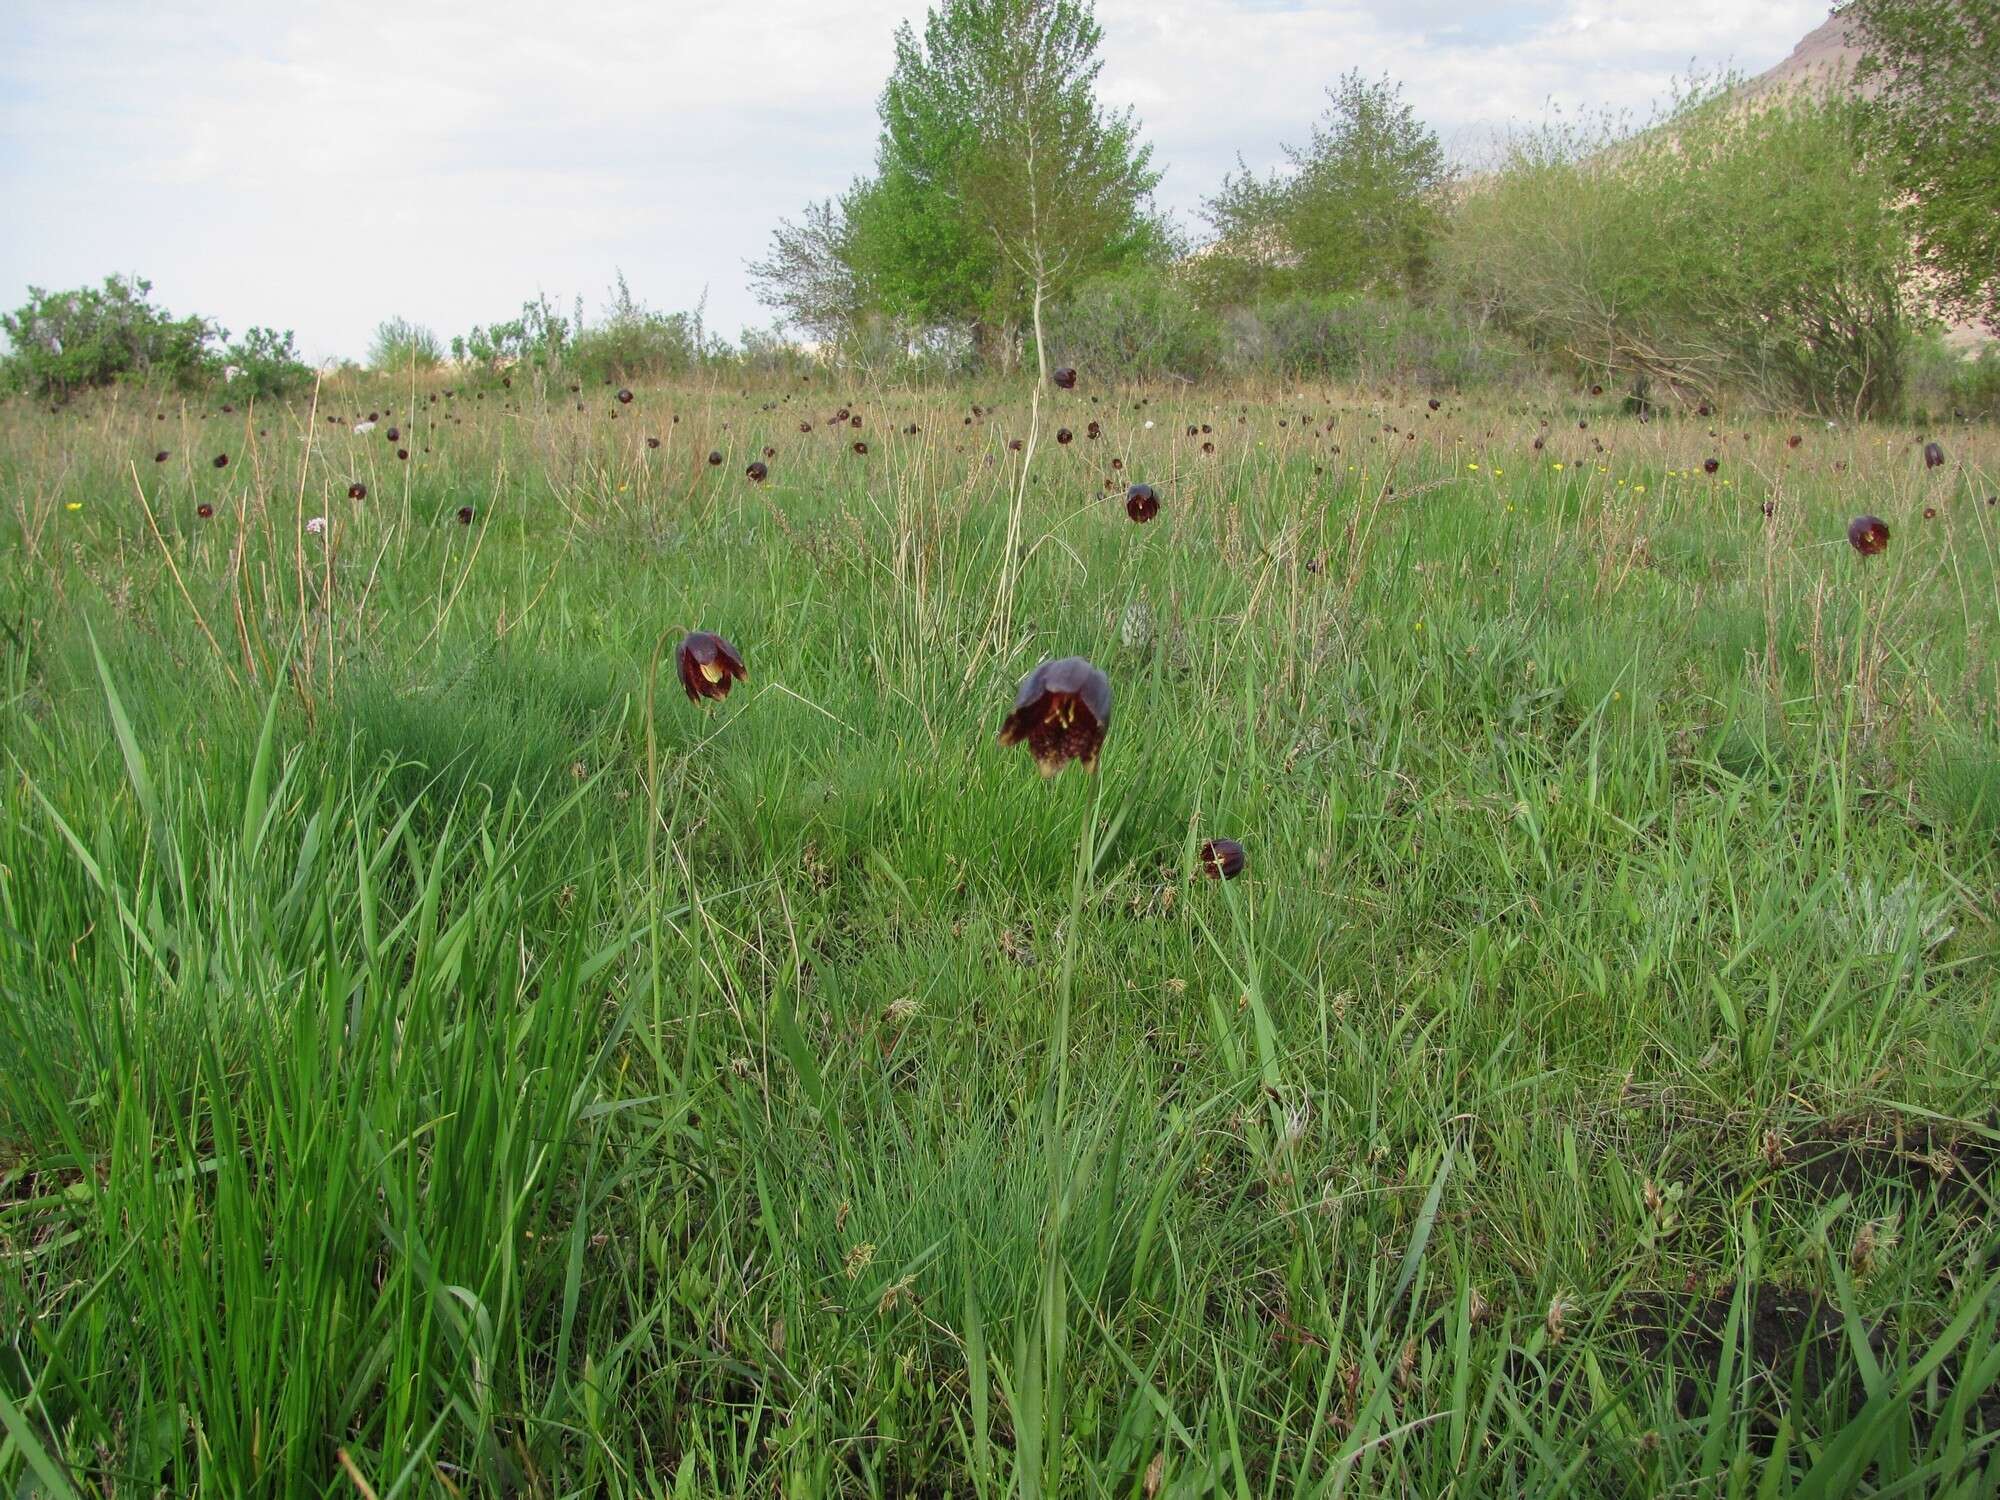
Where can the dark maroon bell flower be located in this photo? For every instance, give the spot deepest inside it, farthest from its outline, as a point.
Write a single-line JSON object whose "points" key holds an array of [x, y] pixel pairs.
{"points": [[357, 491], [1770, 509], [1063, 436], [1142, 503], [708, 665], [854, 422], [1710, 465], [1222, 859], [652, 442], [1208, 446], [1092, 431], [465, 515], [1065, 378], [770, 453], [757, 472], [403, 454], [1013, 445], [205, 510], [1704, 410], [1930, 512], [392, 435], [1062, 712], [1933, 455], [624, 396], [715, 458], [222, 460], [1434, 405], [1868, 535], [911, 430], [1597, 390], [160, 457], [805, 427], [861, 448], [1793, 441]]}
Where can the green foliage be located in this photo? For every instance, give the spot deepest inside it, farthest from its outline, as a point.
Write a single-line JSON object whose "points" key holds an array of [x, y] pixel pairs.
{"points": [[1743, 246], [1933, 111], [539, 338], [1378, 341], [1359, 210], [65, 342], [631, 341], [1000, 184], [1948, 384], [267, 364], [400, 346], [437, 1056], [813, 275], [1135, 325]]}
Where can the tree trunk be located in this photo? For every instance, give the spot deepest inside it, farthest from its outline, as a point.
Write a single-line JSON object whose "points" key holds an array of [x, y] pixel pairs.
{"points": [[1041, 349]]}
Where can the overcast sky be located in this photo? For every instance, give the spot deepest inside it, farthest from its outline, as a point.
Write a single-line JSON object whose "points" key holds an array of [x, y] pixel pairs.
{"points": [[320, 166]]}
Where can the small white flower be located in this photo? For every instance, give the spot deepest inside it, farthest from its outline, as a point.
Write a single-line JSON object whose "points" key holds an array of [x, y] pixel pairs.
{"points": [[1149, 422], [316, 526], [361, 427]]}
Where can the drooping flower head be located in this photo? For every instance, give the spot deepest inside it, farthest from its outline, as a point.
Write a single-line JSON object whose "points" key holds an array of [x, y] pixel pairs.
{"points": [[708, 665], [1868, 535], [1061, 712], [1222, 859]]}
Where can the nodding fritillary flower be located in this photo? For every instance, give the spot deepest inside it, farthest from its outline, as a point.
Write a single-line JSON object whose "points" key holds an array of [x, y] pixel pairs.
{"points": [[708, 665], [1061, 713], [1142, 502], [1222, 859], [1868, 535]]}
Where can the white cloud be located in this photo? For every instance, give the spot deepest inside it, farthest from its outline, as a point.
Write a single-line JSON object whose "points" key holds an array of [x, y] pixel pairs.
{"points": [[320, 168]]}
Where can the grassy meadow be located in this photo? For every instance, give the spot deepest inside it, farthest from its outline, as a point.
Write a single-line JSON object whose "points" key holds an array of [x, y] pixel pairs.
{"points": [[439, 1058]]}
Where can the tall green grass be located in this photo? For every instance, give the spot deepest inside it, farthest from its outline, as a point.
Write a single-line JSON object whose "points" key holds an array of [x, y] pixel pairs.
{"points": [[437, 1057]]}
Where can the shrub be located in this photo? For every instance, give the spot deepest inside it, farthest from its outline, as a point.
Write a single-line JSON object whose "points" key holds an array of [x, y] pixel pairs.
{"points": [[539, 338], [267, 364], [633, 342], [1951, 383], [1136, 324], [66, 342], [402, 345], [1746, 245], [770, 353], [1370, 340]]}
